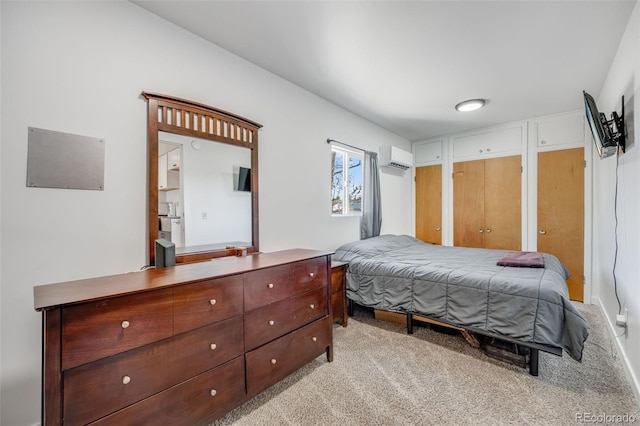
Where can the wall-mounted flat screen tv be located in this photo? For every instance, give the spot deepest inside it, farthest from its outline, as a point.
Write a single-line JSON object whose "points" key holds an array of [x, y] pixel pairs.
{"points": [[605, 140]]}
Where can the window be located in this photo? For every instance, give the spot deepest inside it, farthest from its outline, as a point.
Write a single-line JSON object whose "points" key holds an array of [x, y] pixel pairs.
{"points": [[346, 182]]}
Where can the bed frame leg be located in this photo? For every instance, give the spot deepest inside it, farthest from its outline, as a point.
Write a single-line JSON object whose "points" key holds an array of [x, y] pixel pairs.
{"points": [[409, 323], [349, 307], [533, 362]]}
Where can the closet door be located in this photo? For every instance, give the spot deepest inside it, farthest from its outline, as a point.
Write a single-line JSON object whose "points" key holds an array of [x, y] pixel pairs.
{"points": [[503, 203], [468, 203], [487, 203], [429, 204], [561, 212]]}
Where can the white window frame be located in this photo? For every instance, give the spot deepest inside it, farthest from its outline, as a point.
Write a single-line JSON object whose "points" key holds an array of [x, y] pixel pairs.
{"points": [[347, 154]]}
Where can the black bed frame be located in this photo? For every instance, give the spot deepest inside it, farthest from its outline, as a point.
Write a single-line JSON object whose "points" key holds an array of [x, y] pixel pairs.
{"points": [[534, 348]]}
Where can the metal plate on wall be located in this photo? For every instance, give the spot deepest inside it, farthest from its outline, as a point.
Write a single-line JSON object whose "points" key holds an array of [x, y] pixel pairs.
{"points": [[63, 160]]}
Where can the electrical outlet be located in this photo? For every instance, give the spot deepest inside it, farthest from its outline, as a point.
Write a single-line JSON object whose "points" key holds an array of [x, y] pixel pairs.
{"points": [[621, 320]]}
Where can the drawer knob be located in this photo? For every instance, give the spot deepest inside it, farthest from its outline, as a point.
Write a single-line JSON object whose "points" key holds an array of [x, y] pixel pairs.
{"points": [[213, 301], [126, 380], [270, 285], [312, 274], [271, 322], [213, 346], [213, 392], [125, 324], [273, 361], [312, 306], [314, 338]]}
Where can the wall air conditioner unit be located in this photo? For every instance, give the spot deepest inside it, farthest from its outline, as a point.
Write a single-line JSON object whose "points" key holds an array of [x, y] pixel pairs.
{"points": [[395, 157]]}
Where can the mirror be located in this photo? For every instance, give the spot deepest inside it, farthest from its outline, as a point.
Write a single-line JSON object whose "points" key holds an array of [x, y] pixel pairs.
{"points": [[203, 180], [201, 205]]}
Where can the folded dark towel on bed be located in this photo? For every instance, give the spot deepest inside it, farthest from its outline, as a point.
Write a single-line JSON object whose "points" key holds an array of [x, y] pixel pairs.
{"points": [[525, 259]]}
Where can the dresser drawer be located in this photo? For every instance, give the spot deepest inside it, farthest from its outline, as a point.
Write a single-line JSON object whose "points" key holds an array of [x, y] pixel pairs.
{"points": [[269, 322], [197, 401], [95, 330], [272, 284], [310, 273], [206, 302], [276, 360], [267, 286], [338, 274], [94, 390]]}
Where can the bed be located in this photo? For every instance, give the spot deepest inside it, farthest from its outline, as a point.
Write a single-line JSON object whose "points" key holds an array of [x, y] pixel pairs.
{"points": [[465, 287]]}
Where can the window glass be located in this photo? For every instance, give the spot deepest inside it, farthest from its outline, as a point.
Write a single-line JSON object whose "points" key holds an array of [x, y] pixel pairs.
{"points": [[354, 185], [346, 182], [337, 182]]}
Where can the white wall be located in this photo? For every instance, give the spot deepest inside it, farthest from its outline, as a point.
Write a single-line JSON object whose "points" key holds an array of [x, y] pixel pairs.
{"points": [[623, 79], [210, 177], [1, 97], [79, 67]]}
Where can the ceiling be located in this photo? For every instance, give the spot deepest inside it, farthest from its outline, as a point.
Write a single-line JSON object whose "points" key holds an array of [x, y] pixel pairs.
{"points": [[405, 64]]}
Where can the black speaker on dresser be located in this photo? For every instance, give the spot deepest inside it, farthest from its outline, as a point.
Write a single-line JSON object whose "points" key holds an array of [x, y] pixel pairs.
{"points": [[165, 253]]}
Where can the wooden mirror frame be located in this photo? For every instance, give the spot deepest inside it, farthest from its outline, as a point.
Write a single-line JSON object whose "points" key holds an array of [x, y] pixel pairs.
{"points": [[188, 118]]}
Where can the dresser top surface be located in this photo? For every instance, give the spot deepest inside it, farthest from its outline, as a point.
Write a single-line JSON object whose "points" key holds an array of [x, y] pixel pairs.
{"points": [[79, 291]]}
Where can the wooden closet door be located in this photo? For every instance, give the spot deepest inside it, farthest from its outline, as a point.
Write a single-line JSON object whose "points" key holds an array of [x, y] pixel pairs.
{"points": [[561, 212], [429, 204], [468, 203], [503, 203]]}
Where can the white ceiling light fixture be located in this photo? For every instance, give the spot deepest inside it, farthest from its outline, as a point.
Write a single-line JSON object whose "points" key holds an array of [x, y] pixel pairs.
{"points": [[470, 105]]}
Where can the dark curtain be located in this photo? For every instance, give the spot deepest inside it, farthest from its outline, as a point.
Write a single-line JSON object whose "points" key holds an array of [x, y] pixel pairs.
{"points": [[371, 220]]}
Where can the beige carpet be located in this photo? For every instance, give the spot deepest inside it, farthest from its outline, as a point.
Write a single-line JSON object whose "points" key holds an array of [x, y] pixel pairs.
{"points": [[380, 375]]}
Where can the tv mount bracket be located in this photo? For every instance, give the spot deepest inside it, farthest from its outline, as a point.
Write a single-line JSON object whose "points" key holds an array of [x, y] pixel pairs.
{"points": [[618, 136]]}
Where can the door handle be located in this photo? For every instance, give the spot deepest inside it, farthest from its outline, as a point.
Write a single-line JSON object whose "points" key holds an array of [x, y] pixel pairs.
{"points": [[488, 230], [481, 230], [543, 232], [437, 228]]}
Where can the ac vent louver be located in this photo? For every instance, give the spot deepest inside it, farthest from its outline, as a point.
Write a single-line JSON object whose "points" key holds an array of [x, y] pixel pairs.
{"points": [[398, 165]]}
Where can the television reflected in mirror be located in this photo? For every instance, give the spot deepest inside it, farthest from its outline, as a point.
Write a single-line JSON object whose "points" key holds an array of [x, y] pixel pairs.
{"points": [[244, 179]]}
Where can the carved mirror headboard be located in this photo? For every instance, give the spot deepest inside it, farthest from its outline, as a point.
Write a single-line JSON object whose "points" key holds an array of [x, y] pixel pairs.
{"points": [[200, 158]]}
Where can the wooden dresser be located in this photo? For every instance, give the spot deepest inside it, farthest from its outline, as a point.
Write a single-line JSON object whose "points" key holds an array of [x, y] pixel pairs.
{"points": [[181, 345]]}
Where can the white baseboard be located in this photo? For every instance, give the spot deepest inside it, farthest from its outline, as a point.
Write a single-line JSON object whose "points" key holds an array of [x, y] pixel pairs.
{"points": [[633, 380]]}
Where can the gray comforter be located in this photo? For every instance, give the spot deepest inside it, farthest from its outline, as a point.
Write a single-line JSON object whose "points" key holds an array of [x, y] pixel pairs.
{"points": [[464, 286]]}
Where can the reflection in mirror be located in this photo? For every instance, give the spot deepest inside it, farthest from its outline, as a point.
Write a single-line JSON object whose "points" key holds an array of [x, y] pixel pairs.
{"points": [[200, 207]]}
